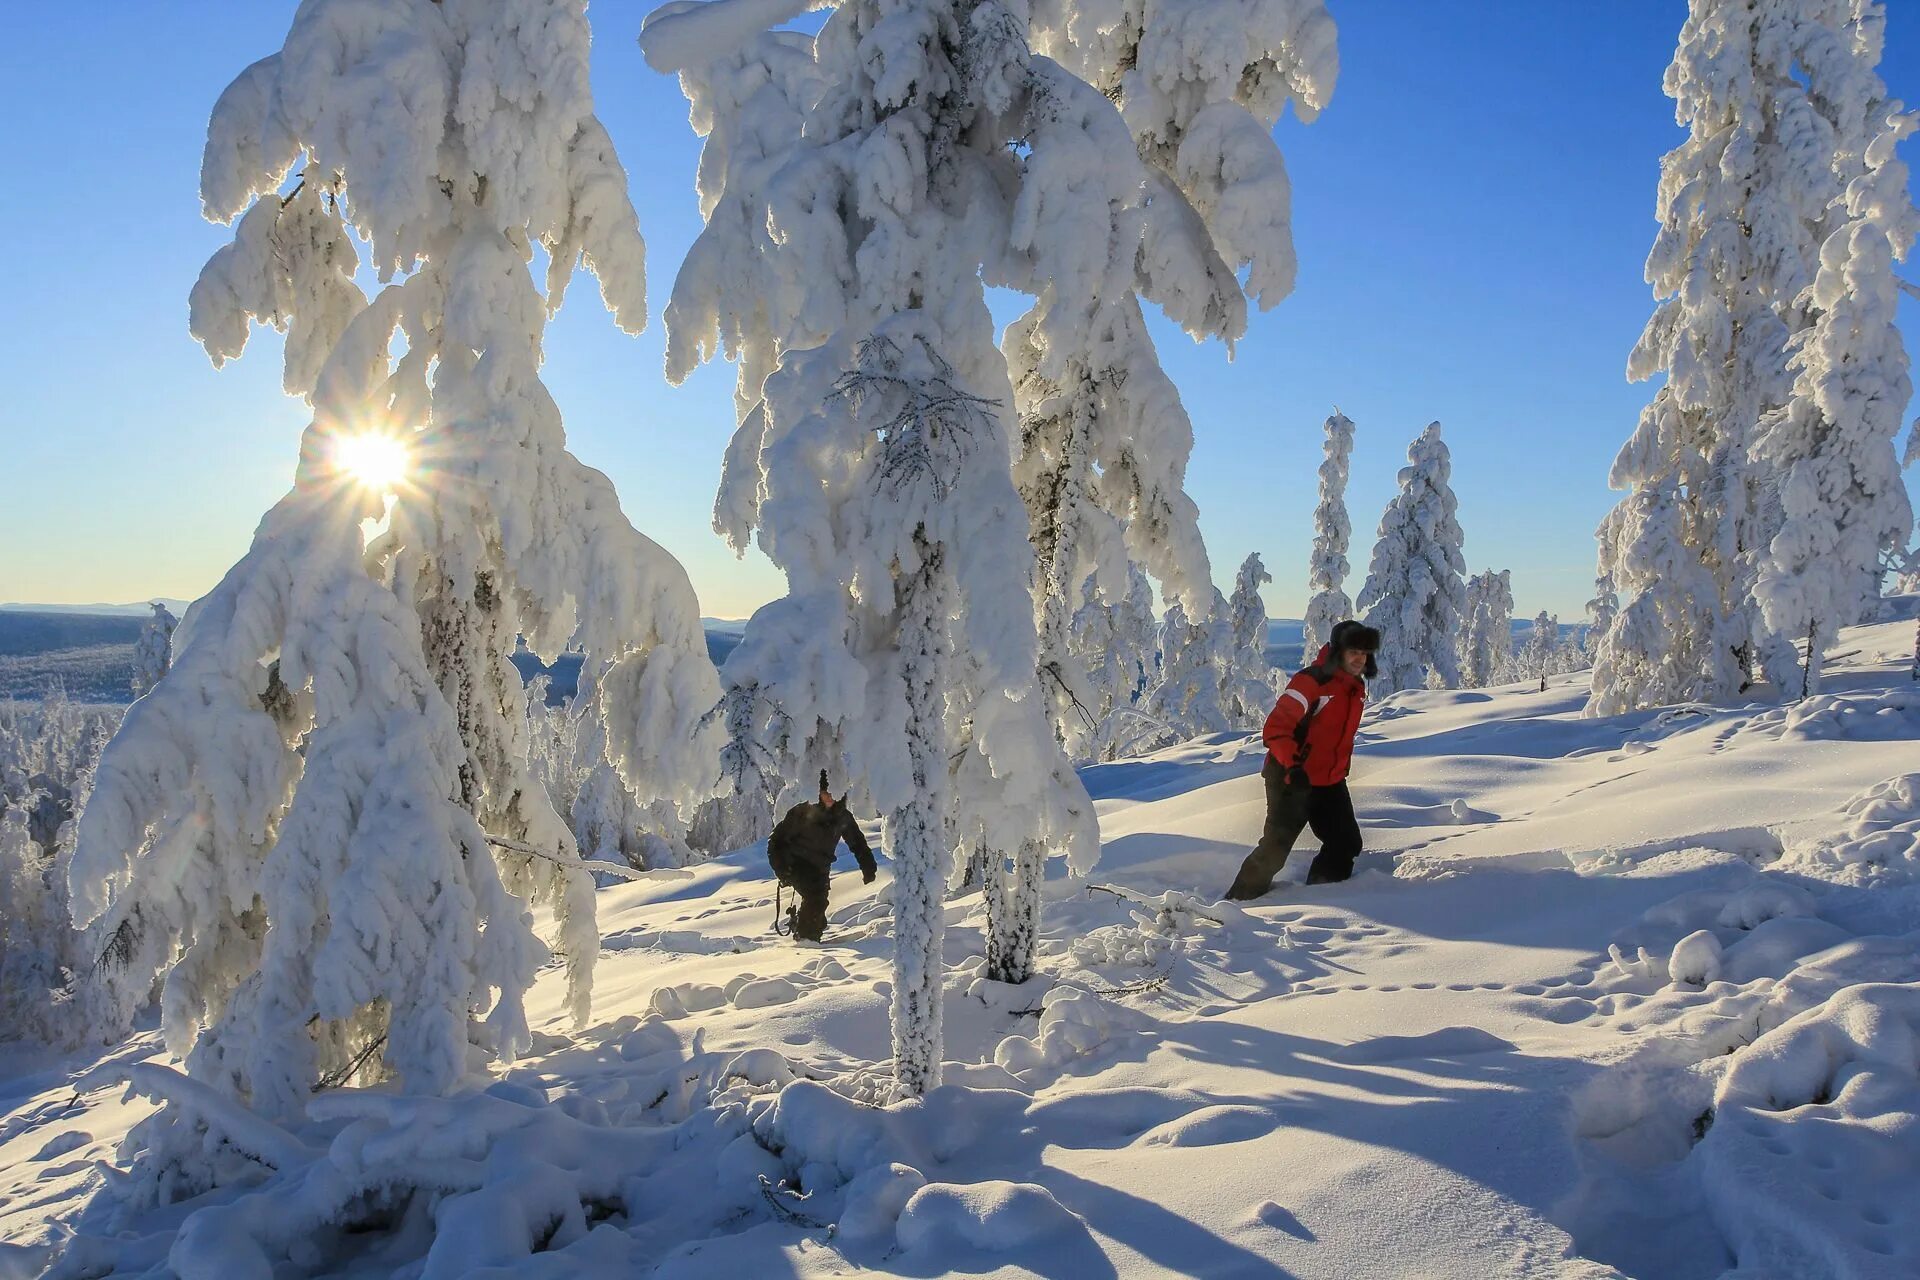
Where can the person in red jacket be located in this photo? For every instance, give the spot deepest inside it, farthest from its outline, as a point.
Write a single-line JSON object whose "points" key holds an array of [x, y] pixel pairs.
{"points": [[1309, 736]]}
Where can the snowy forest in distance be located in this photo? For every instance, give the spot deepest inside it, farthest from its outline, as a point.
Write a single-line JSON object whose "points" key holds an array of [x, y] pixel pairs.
{"points": [[378, 781]]}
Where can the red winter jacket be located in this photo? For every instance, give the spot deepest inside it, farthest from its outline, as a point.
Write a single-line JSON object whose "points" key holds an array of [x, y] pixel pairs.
{"points": [[1322, 742]]}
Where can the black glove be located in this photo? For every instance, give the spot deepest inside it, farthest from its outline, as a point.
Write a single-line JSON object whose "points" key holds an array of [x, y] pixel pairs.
{"points": [[1297, 777], [866, 877]]}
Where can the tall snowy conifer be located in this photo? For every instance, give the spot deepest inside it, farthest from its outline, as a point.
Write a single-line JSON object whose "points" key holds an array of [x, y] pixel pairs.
{"points": [[1844, 504], [1540, 656], [1327, 568], [1105, 439], [153, 651], [856, 209], [1416, 585], [1600, 614], [1743, 204], [297, 824], [1248, 695], [1487, 645]]}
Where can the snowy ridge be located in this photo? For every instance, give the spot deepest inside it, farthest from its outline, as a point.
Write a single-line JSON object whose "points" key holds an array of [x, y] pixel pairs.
{"points": [[1625, 996]]}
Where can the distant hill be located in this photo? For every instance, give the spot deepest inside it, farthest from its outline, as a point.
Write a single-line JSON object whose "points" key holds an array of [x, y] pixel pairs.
{"points": [[138, 608], [88, 655]]}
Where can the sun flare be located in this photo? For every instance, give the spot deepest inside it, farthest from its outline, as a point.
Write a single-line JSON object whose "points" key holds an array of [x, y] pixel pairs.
{"points": [[374, 459]]}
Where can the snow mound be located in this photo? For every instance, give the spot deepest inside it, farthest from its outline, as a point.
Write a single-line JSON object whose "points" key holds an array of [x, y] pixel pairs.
{"points": [[1882, 832], [1815, 1143], [685, 998], [62, 1144], [1695, 960], [763, 993], [1072, 1025], [993, 1217], [1857, 715], [1212, 1126]]}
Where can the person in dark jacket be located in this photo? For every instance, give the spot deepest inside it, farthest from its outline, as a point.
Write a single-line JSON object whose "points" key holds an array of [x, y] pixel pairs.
{"points": [[1309, 736], [801, 851]]}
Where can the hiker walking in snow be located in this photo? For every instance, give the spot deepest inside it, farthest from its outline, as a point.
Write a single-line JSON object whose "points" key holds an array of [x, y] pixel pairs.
{"points": [[1309, 736], [801, 851]]}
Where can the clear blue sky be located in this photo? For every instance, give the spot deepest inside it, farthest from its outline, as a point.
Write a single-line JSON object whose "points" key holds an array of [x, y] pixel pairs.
{"points": [[1472, 214]]}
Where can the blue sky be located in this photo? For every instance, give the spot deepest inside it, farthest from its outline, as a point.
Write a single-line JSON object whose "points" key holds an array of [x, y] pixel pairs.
{"points": [[1472, 214]]}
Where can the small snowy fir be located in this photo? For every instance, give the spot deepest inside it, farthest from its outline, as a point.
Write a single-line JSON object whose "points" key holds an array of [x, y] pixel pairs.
{"points": [[1327, 567], [1416, 585], [1248, 694], [153, 651], [1487, 645]]}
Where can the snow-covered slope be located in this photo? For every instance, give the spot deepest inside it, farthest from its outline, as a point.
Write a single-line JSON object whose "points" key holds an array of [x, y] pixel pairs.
{"points": [[1633, 996]]}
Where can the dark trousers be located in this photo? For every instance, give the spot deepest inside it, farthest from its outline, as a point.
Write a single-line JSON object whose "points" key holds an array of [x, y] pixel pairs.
{"points": [[810, 883], [1292, 808]]}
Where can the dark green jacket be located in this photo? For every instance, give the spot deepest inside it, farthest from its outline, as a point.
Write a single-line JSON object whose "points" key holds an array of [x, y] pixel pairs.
{"points": [[809, 836]]}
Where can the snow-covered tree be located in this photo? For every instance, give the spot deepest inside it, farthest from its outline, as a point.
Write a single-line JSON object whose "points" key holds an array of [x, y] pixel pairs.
{"points": [[153, 651], [1117, 646], [1247, 693], [1651, 653], [1539, 656], [567, 755], [1327, 568], [1743, 203], [320, 824], [1600, 614], [1487, 642], [860, 190], [1105, 439], [1189, 695], [1416, 587], [1843, 502], [1104, 442], [51, 986], [30, 926], [874, 459]]}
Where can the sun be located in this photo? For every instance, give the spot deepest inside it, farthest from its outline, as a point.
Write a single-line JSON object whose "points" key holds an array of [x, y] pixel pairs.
{"points": [[377, 460]]}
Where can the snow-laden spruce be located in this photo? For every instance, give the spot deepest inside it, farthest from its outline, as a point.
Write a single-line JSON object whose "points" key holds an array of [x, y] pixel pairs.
{"points": [[1327, 602], [320, 825], [1247, 693], [1189, 695], [870, 192], [1539, 657], [153, 651], [1416, 589], [1843, 503], [1743, 204], [1105, 439], [1104, 443], [1118, 646], [1486, 645], [1601, 610]]}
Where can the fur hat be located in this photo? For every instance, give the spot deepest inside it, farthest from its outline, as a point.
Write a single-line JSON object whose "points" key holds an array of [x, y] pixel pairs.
{"points": [[1355, 635]]}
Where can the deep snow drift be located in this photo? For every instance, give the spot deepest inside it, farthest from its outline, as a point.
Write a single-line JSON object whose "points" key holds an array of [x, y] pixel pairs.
{"points": [[1636, 996]]}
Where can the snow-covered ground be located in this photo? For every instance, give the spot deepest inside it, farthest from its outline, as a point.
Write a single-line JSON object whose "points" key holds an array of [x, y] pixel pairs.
{"points": [[1628, 996]]}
